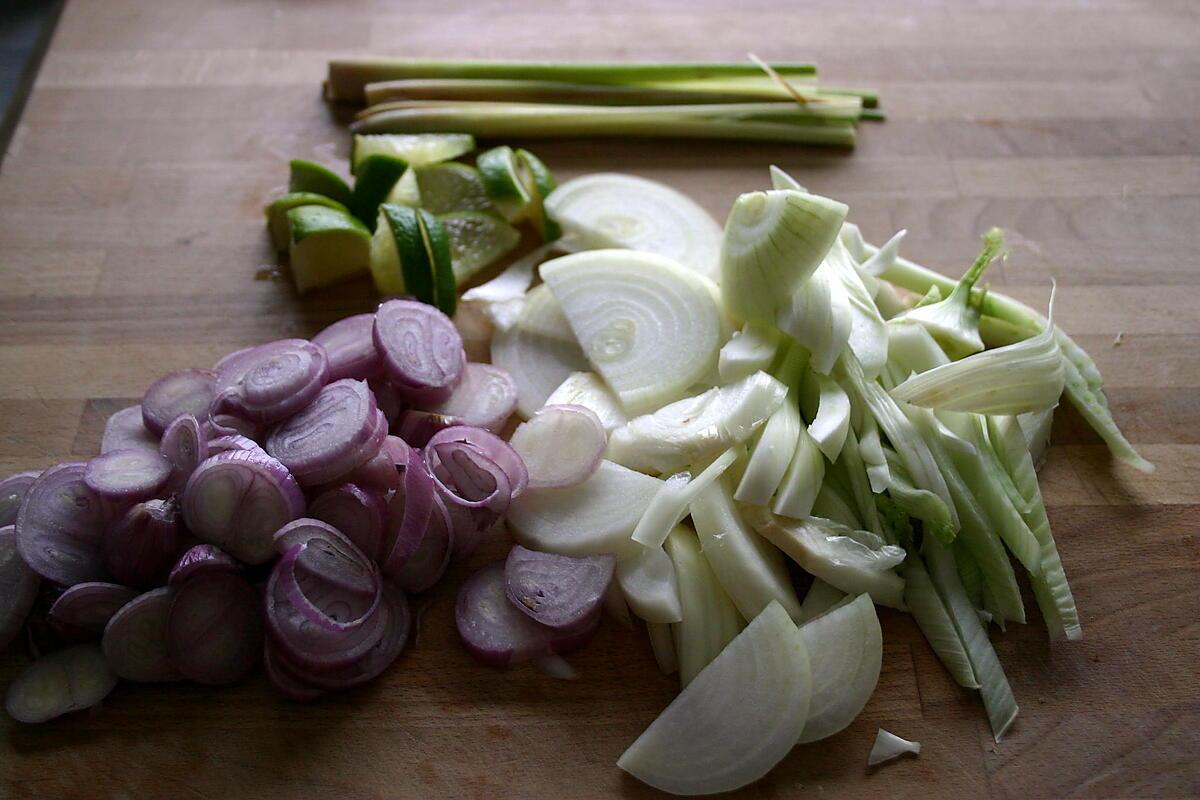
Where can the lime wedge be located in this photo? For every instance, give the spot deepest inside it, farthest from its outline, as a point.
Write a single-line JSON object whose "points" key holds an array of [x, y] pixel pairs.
{"points": [[539, 183], [399, 260], [498, 168], [418, 149], [328, 245], [377, 176], [277, 221], [406, 192], [477, 240], [309, 176], [452, 187], [437, 248]]}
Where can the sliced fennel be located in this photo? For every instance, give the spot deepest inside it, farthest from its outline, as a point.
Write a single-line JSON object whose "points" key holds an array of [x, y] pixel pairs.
{"points": [[771, 456], [615, 210], [803, 478], [850, 466], [934, 621], [821, 597], [854, 561], [1036, 427], [955, 320], [647, 578], [878, 263], [750, 350], [697, 428], [868, 339], [587, 390], [819, 318], [751, 571], [870, 447], [845, 649], [773, 242], [781, 180], [888, 746], [590, 518], [670, 504], [1014, 379], [736, 720], [663, 646], [832, 422], [710, 619], [537, 364], [918, 503], [650, 326], [832, 504]]}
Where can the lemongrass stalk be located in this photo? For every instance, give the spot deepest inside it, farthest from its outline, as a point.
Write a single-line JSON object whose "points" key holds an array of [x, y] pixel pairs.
{"points": [[779, 112], [761, 83], [347, 77]]}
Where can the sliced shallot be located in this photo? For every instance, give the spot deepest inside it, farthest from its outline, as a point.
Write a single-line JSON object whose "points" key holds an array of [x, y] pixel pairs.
{"points": [[189, 391], [271, 381], [234, 441], [285, 678], [135, 639], [12, 492], [125, 429], [18, 587], [486, 398], [215, 629], [64, 681], [128, 475], [491, 446], [60, 526], [139, 548], [350, 346], [560, 445], [238, 499], [421, 349], [408, 514], [184, 446], [560, 592], [427, 563], [202, 559], [81, 612], [359, 513]]}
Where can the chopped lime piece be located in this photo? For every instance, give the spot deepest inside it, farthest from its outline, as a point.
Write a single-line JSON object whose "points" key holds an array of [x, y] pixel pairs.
{"points": [[328, 245], [400, 260], [406, 192], [539, 183], [277, 221], [452, 187], [477, 240], [498, 168], [309, 176], [417, 149], [376, 178], [437, 248]]}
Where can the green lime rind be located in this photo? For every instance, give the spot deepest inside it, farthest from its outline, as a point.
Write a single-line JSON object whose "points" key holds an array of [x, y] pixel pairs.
{"points": [[276, 213], [477, 240], [376, 178], [452, 187], [418, 149], [309, 176], [327, 245], [499, 171], [401, 262], [437, 248], [539, 183]]}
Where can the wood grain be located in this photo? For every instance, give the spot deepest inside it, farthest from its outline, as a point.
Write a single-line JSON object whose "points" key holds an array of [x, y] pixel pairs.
{"points": [[130, 237]]}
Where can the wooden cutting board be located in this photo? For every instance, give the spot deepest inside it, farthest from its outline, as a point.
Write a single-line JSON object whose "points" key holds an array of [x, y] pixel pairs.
{"points": [[131, 243]]}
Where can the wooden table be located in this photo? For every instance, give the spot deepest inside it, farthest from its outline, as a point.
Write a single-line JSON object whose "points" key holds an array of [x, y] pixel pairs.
{"points": [[131, 243]]}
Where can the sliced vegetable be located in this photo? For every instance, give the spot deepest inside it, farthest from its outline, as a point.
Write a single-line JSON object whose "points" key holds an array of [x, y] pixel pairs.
{"points": [[932, 617], [18, 587], [750, 350], [538, 364], [350, 348], [663, 646], [671, 502], [199, 560], [184, 445], [81, 612], [802, 481], [271, 381], [819, 318], [648, 325], [888, 746], [710, 619], [498, 170], [277, 215], [189, 391], [310, 177], [649, 583], [135, 639], [820, 598], [127, 475], [539, 183], [485, 398], [477, 240], [60, 526], [588, 390], [399, 262], [418, 150], [832, 421], [327, 246], [125, 429], [140, 547], [845, 649], [68, 680], [215, 629], [452, 187], [560, 592], [560, 445], [421, 349]]}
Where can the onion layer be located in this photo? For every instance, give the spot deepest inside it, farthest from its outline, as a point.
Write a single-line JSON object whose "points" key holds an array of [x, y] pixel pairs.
{"points": [[135, 639], [271, 381], [214, 629], [189, 391], [68, 680], [60, 526], [341, 429], [559, 592], [82, 612], [350, 348], [421, 349]]}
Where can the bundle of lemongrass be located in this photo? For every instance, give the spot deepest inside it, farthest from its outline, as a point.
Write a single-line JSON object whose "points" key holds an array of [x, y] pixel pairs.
{"points": [[750, 101]]}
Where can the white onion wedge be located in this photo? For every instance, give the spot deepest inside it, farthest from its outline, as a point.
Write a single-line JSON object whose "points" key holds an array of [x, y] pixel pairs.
{"points": [[560, 445], [614, 210], [590, 518], [736, 720], [697, 428], [845, 648], [650, 326], [710, 619], [537, 364], [888, 746], [670, 504], [750, 570], [588, 390], [648, 580]]}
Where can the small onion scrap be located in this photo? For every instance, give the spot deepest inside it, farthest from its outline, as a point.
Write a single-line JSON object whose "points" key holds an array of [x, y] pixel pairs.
{"points": [[350, 347], [189, 391], [421, 349], [560, 592], [82, 612], [184, 446], [60, 526], [271, 381]]}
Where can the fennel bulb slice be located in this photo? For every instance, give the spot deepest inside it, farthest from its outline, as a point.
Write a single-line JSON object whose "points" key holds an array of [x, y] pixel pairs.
{"points": [[1014, 379], [587, 390], [918, 503], [832, 504], [696, 428], [818, 317], [771, 456], [821, 597], [856, 562], [845, 650], [613, 210], [888, 746], [1036, 427], [868, 338], [647, 578], [751, 571], [782, 180], [870, 447], [934, 621], [852, 468], [803, 479], [710, 619], [748, 351], [589, 518], [670, 503], [648, 325], [739, 717], [832, 422], [663, 646], [773, 242], [878, 262]]}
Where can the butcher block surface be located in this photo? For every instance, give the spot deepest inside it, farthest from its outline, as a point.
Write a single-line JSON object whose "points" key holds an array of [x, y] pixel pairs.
{"points": [[132, 243]]}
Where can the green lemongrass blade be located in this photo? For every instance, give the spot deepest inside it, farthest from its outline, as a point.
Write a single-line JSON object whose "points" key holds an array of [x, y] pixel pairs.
{"points": [[571, 121], [1050, 587], [761, 83], [997, 694], [1083, 384], [934, 621]]}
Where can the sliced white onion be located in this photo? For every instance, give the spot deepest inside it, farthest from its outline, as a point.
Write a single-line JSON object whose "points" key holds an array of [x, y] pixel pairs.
{"points": [[888, 746], [648, 580], [697, 428], [560, 445], [736, 720], [542, 315], [663, 646], [771, 456], [845, 648], [821, 597], [649, 326], [538, 365], [670, 504], [751, 571], [588, 390], [614, 210], [590, 518], [751, 349], [710, 619]]}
